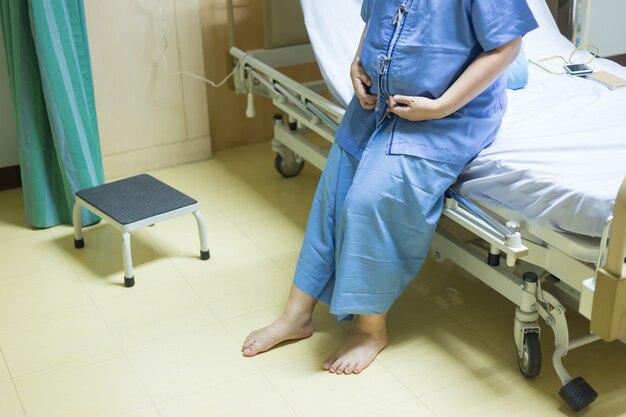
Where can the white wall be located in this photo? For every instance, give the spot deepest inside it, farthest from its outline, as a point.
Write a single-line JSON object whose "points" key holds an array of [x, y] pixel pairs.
{"points": [[147, 119], [605, 26], [8, 132]]}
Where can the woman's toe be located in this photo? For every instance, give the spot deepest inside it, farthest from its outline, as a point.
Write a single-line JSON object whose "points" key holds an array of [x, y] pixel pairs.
{"points": [[358, 367], [335, 366], [349, 369], [247, 343], [251, 350], [329, 362], [343, 367]]}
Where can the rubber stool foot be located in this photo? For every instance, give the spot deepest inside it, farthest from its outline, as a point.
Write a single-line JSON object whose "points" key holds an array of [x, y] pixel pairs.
{"points": [[204, 255], [79, 243], [129, 282]]}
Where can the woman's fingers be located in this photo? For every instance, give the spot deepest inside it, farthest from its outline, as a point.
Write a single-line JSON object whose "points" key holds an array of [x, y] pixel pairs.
{"points": [[414, 108], [368, 101], [367, 106], [401, 100], [362, 76], [361, 83], [357, 71]]}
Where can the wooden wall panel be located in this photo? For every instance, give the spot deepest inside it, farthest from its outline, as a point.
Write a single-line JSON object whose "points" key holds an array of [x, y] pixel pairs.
{"points": [[229, 125], [147, 118]]}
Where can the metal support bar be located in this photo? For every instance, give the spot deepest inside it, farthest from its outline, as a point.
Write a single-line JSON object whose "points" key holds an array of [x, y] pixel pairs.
{"points": [[78, 228], [301, 146], [574, 20], [128, 259], [511, 245], [480, 213], [204, 242]]}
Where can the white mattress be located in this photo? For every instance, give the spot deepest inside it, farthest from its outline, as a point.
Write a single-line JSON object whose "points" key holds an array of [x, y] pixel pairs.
{"points": [[560, 155]]}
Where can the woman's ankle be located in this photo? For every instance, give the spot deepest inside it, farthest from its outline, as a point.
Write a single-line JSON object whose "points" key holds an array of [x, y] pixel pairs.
{"points": [[374, 324], [300, 306]]}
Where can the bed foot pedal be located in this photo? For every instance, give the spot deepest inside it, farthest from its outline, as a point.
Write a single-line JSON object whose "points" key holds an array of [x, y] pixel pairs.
{"points": [[578, 394]]}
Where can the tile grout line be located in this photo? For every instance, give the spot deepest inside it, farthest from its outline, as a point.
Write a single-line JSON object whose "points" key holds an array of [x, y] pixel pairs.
{"points": [[136, 409], [117, 342], [254, 363], [506, 364], [119, 346], [221, 323], [407, 388], [280, 394], [13, 382]]}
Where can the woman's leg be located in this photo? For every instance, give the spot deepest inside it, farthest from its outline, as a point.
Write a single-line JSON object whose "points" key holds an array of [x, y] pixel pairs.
{"points": [[388, 220], [315, 271]]}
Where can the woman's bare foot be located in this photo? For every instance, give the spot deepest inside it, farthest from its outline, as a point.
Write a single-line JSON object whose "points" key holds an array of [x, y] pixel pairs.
{"points": [[281, 330], [294, 323], [361, 347]]}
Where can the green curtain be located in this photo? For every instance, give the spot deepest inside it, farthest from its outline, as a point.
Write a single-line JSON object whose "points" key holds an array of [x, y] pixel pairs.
{"points": [[52, 87]]}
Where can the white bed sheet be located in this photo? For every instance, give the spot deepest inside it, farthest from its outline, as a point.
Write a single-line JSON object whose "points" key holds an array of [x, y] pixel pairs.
{"points": [[560, 155], [334, 28]]}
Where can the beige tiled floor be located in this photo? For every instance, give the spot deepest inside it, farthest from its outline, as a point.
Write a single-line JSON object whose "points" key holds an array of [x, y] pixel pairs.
{"points": [[75, 342]]}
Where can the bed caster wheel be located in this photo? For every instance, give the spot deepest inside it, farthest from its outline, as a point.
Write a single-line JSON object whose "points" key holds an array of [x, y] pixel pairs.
{"points": [[288, 169], [578, 394], [529, 361]]}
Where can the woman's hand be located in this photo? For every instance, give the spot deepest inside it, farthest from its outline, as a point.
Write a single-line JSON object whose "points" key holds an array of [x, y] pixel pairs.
{"points": [[360, 83], [415, 109]]}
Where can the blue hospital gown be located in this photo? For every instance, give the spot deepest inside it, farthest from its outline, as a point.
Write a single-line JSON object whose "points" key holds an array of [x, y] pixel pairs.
{"points": [[381, 193], [434, 43]]}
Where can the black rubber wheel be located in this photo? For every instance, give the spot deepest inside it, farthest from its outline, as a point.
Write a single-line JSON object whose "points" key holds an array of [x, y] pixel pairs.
{"points": [[287, 170], [530, 361]]}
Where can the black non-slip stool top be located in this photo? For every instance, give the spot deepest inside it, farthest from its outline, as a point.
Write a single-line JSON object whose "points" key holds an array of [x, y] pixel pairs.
{"points": [[136, 198]]}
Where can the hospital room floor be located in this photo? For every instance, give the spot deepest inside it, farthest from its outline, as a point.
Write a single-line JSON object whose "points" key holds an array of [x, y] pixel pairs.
{"points": [[75, 342]]}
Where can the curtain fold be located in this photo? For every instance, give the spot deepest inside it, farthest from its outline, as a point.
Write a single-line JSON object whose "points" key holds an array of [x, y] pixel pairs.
{"points": [[51, 83]]}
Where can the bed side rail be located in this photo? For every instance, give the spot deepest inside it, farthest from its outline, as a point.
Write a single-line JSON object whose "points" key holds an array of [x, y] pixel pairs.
{"points": [[501, 237], [608, 317], [301, 103]]}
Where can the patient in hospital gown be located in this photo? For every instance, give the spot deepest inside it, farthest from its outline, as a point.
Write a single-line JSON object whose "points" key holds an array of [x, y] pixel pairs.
{"points": [[429, 81]]}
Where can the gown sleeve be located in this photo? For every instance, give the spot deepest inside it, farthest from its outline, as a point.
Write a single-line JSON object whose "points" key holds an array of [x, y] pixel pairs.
{"points": [[366, 9], [497, 22]]}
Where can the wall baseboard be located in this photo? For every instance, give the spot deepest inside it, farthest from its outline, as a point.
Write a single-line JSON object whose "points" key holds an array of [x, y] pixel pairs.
{"points": [[620, 59], [10, 178]]}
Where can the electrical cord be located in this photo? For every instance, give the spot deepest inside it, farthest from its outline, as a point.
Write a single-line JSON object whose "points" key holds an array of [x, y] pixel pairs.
{"points": [[185, 73], [592, 49]]}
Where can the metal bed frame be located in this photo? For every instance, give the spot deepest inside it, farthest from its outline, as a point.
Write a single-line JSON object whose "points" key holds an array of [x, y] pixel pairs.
{"points": [[571, 267]]}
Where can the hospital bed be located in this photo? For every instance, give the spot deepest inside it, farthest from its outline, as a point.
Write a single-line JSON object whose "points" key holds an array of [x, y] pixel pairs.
{"points": [[546, 229]]}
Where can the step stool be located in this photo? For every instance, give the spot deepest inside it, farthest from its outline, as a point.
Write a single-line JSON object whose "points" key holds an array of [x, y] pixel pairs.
{"points": [[131, 204]]}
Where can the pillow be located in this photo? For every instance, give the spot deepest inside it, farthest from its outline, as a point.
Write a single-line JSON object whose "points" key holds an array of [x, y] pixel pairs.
{"points": [[518, 72]]}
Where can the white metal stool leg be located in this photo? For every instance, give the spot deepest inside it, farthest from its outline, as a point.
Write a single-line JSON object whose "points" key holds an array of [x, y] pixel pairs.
{"points": [[129, 278], [204, 244], [79, 242]]}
